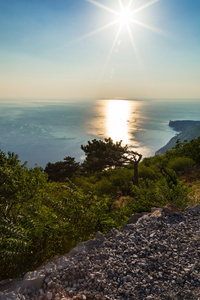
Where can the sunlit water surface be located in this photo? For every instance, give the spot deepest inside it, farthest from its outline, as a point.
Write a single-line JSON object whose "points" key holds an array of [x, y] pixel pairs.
{"points": [[49, 131]]}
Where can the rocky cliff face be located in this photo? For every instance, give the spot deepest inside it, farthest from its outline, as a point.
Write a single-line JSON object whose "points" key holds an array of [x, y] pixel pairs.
{"points": [[155, 256], [187, 130], [183, 125]]}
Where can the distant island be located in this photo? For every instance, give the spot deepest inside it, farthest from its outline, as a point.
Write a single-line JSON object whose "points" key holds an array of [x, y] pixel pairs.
{"points": [[187, 130]]}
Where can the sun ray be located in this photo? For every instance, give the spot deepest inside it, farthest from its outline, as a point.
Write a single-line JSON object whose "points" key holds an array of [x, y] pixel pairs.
{"points": [[124, 18], [95, 31], [120, 4], [111, 49], [133, 45], [147, 26], [103, 6], [130, 3], [144, 6]]}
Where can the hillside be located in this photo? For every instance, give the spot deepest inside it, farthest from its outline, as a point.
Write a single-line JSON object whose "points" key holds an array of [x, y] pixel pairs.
{"points": [[43, 215], [188, 130], [154, 256]]}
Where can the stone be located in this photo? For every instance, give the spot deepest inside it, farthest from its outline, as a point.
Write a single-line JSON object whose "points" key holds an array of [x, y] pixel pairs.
{"points": [[133, 219], [158, 213], [151, 259], [127, 227], [172, 209], [99, 236], [195, 208], [155, 208], [49, 268], [83, 247], [33, 280], [49, 295], [8, 296], [145, 217]]}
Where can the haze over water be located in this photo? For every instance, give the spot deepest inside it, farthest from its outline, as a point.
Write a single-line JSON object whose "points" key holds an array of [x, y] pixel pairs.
{"points": [[43, 131]]}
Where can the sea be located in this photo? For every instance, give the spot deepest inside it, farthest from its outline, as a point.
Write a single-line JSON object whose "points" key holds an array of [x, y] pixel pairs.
{"points": [[42, 131]]}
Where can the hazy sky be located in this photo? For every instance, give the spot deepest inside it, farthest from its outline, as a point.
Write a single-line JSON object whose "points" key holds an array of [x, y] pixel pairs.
{"points": [[49, 49]]}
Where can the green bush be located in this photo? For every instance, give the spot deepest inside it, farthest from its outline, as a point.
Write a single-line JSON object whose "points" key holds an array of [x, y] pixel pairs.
{"points": [[40, 219], [159, 193], [144, 196], [168, 192], [115, 182], [147, 172], [181, 164]]}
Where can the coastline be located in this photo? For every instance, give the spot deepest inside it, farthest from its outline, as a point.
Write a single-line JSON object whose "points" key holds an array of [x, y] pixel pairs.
{"points": [[187, 130]]}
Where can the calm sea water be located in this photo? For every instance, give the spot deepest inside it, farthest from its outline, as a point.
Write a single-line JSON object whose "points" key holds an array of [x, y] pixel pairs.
{"points": [[49, 131]]}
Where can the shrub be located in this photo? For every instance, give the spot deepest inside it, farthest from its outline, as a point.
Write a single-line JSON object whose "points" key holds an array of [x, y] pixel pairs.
{"points": [[181, 164], [147, 172], [158, 193], [144, 196]]}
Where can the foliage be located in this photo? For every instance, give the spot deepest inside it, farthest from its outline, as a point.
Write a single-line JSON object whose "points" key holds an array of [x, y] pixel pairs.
{"points": [[181, 164], [61, 170], [18, 186], [191, 150], [159, 193], [21, 192], [40, 219], [148, 172], [102, 155]]}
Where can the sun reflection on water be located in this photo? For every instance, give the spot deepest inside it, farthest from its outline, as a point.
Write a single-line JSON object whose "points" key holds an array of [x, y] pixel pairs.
{"points": [[139, 124], [118, 115], [115, 119]]}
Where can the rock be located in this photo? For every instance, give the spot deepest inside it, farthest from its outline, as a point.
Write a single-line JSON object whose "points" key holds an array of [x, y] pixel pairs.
{"points": [[87, 246], [145, 217], [155, 208], [134, 218], [33, 280], [100, 237], [172, 209], [49, 268], [127, 227], [91, 244], [10, 287], [49, 295], [195, 209], [156, 258], [158, 213], [8, 296]]}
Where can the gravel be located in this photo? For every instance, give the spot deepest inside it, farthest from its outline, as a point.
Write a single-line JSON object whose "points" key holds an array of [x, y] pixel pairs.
{"points": [[156, 258]]}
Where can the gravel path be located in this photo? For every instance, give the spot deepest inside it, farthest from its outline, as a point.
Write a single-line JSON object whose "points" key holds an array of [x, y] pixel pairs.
{"points": [[158, 257]]}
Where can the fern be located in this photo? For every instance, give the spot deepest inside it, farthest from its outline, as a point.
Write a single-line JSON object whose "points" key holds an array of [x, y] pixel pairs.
{"points": [[14, 245]]}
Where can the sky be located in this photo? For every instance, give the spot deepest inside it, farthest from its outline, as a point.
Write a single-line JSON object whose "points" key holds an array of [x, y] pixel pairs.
{"points": [[61, 49]]}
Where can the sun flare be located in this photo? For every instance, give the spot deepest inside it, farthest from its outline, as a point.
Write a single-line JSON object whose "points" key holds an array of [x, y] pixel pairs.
{"points": [[125, 16]]}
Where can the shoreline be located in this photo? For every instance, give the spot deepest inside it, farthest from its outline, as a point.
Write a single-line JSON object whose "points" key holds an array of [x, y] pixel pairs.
{"points": [[186, 130]]}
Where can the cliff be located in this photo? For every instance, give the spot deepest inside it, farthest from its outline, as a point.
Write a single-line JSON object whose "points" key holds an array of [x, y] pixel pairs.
{"points": [[187, 130]]}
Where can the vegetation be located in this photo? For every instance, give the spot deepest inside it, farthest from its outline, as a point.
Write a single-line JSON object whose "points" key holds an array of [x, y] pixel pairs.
{"points": [[187, 130], [62, 169], [45, 213]]}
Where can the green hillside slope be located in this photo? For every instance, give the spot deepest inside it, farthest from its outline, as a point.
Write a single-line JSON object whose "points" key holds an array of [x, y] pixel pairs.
{"points": [[189, 130]]}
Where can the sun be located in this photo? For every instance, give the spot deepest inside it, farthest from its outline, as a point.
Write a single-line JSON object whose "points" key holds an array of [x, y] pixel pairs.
{"points": [[125, 16]]}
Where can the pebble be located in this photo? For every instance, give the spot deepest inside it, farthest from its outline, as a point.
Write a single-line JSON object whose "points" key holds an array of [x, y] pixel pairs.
{"points": [[155, 258]]}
